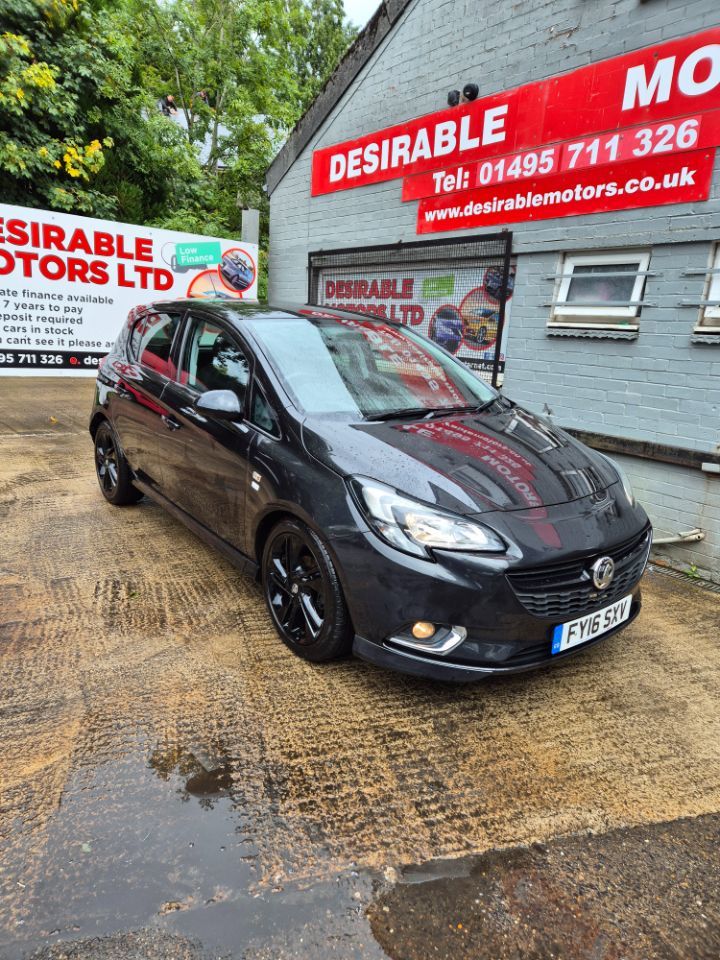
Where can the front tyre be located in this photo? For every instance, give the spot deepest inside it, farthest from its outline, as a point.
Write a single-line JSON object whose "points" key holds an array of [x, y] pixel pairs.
{"points": [[112, 469], [303, 593]]}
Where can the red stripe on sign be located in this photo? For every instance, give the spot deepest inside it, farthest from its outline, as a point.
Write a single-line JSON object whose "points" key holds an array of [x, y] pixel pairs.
{"points": [[676, 78], [649, 182]]}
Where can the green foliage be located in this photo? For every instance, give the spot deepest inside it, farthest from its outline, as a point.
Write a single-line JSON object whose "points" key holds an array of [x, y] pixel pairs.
{"points": [[320, 36], [80, 83], [51, 147]]}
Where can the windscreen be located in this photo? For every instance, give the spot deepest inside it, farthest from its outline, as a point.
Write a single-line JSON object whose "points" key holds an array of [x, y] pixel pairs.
{"points": [[365, 367]]}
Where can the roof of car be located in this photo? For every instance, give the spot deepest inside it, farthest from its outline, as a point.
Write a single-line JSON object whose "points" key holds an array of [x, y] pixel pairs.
{"points": [[234, 310]]}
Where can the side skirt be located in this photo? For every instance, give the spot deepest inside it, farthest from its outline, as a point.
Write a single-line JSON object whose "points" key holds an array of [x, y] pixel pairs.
{"points": [[236, 557]]}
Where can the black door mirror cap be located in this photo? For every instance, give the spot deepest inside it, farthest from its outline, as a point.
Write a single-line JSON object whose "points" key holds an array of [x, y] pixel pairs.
{"points": [[220, 404]]}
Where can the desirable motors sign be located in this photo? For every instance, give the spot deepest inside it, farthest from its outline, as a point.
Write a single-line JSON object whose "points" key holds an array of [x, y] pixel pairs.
{"points": [[67, 283], [458, 306], [636, 130]]}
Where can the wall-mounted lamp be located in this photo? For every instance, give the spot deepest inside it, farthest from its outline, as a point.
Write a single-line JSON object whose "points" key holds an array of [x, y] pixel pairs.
{"points": [[469, 93]]}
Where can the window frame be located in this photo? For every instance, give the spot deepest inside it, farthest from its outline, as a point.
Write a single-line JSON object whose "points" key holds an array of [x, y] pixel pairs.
{"points": [[709, 316], [566, 314], [193, 314]]}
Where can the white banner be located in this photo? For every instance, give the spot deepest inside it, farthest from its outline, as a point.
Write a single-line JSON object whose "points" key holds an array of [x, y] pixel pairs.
{"points": [[67, 283]]}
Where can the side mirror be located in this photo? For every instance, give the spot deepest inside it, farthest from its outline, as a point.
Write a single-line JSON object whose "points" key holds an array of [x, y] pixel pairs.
{"points": [[219, 404]]}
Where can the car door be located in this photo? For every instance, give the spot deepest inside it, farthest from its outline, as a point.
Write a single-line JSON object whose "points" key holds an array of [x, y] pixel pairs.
{"points": [[204, 460], [136, 407]]}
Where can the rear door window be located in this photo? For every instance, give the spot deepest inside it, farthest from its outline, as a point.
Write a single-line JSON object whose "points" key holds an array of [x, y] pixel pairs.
{"points": [[151, 341]]}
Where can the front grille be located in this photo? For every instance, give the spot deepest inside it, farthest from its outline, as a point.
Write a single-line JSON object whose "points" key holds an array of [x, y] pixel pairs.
{"points": [[560, 590]]}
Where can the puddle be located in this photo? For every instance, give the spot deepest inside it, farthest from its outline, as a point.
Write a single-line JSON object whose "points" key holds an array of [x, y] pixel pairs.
{"points": [[436, 870], [206, 772], [157, 840]]}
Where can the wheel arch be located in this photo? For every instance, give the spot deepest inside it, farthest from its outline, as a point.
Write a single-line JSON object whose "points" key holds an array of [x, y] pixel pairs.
{"points": [[95, 422], [262, 531]]}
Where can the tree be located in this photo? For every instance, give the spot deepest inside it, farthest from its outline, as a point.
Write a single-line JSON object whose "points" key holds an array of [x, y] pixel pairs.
{"points": [[321, 36], [52, 144], [80, 125]]}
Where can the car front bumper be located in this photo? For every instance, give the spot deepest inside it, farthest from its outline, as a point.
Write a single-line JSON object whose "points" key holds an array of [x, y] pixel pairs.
{"points": [[446, 668], [509, 624]]}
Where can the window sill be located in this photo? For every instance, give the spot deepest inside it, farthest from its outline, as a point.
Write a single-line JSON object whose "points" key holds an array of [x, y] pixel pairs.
{"points": [[709, 335], [600, 332]]}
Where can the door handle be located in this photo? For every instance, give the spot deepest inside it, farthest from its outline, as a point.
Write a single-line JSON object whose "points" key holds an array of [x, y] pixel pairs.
{"points": [[170, 422]]}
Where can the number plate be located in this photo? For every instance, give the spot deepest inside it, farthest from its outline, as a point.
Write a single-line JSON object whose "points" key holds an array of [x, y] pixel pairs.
{"points": [[567, 635]]}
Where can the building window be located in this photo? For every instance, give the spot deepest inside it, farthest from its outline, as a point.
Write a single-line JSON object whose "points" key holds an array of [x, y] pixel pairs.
{"points": [[600, 290], [709, 321]]}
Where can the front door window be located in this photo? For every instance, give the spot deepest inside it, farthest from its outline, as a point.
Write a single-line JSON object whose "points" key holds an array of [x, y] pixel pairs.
{"points": [[212, 360]]}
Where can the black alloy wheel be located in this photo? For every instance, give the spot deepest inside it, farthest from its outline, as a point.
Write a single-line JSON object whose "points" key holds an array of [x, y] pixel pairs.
{"points": [[303, 593], [113, 471], [106, 462]]}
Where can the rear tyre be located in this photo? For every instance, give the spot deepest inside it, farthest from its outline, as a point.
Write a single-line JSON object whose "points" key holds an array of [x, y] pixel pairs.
{"points": [[303, 593], [112, 469]]}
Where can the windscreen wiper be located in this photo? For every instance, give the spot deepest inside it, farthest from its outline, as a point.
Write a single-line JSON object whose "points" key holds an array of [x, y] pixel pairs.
{"points": [[397, 413], [424, 413]]}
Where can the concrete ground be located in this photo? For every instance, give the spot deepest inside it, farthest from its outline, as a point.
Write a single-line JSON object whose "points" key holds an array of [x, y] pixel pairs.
{"points": [[175, 783]]}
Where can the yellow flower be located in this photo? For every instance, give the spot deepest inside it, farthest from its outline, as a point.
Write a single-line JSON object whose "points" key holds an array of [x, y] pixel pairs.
{"points": [[57, 164], [20, 93], [43, 151], [73, 172]]}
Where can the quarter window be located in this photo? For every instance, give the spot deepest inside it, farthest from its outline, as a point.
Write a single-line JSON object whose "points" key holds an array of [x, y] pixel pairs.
{"points": [[151, 341], [262, 414], [212, 360], [603, 289]]}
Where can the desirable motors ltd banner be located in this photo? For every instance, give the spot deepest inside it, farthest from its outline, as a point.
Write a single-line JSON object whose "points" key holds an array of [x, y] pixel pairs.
{"points": [[457, 306], [67, 283]]}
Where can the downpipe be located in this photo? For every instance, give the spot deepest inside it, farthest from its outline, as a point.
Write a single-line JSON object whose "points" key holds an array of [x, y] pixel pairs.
{"points": [[687, 536]]}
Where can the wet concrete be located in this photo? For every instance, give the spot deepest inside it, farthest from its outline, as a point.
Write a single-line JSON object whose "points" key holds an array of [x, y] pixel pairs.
{"points": [[169, 768], [632, 894]]}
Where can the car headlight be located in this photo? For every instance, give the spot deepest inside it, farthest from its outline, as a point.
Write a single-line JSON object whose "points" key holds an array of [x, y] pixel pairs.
{"points": [[622, 477], [416, 528]]}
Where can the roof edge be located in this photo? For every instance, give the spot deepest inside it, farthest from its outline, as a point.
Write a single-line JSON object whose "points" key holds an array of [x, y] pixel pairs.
{"points": [[337, 84]]}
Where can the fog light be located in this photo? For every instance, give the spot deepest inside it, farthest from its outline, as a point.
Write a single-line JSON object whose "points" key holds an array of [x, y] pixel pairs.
{"points": [[429, 637]]}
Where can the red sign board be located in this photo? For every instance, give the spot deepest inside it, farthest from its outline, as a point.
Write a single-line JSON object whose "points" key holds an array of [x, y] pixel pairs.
{"points": [[648, 140], [674, 79], [643, 183]]}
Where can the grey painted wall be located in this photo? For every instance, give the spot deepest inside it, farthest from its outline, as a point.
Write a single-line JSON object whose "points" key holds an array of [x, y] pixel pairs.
{"points": [[658, 387]]}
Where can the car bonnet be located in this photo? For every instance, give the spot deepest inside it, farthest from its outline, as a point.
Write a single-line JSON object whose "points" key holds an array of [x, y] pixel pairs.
{"points": [[501, 458]]}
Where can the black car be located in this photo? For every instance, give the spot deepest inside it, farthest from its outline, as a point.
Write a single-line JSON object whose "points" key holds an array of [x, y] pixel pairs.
{"points": [[390, 501]]}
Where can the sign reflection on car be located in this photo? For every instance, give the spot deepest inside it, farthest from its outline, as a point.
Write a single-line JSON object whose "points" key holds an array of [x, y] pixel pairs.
{"points": [[512, 469]]}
